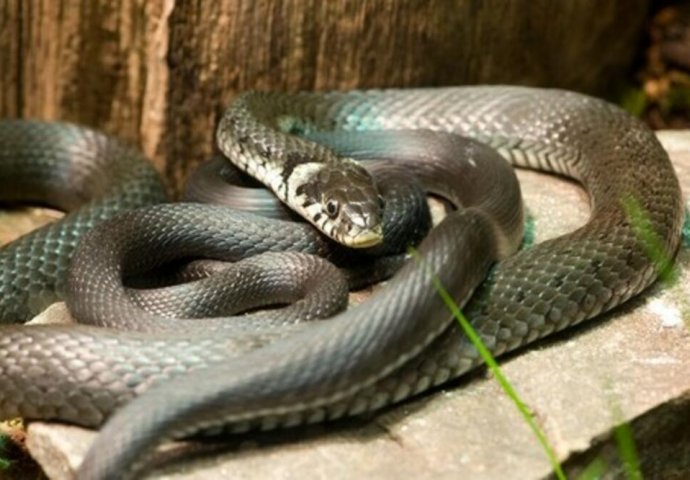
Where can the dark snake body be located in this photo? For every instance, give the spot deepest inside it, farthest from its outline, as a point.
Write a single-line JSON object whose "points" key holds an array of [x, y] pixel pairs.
{"points": [[403, 341], [64, 167]]}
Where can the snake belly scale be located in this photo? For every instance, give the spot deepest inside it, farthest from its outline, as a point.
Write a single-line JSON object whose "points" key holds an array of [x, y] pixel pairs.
{"points": [[386, 351]]}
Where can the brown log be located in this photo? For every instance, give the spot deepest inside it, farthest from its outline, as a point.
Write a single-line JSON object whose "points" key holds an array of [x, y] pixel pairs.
{"points": [[159, 73]]}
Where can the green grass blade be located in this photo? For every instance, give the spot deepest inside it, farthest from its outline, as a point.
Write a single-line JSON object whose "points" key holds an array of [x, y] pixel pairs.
{"points": [[627, 451], [495, 370], [654, 246], [4, 463], [625, 442], [649, 239], [595, 470]]}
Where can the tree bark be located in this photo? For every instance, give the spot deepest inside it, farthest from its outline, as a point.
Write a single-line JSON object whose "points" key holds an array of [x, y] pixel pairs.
{"points": [[159, 73]]}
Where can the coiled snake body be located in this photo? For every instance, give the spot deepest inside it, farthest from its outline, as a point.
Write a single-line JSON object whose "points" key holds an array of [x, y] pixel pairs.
{"points": [[401, 342]]}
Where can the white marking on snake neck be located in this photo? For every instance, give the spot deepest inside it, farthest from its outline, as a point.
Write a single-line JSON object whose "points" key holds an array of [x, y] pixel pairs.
{"points": [[301, 175]]}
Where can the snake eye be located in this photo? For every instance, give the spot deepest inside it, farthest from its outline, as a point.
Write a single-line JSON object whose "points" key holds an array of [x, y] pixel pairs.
{"points": [[332, 207]]}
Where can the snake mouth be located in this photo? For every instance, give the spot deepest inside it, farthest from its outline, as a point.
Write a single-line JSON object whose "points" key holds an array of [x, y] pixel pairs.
{"points": [[367, 238]]}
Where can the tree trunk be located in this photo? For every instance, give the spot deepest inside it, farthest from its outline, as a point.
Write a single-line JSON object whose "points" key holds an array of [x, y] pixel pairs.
{"points": [[159, 73]]}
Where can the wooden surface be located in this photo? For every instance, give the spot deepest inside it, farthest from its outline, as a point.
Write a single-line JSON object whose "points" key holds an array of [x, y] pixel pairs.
{"points": [[159, 73]]}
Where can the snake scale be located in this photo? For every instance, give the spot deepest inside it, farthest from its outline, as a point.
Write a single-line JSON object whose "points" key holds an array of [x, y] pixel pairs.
{"points": [[401, 342]]}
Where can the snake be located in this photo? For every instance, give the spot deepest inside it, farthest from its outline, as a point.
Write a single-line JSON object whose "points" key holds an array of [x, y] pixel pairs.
{"points": [[401, 342]]}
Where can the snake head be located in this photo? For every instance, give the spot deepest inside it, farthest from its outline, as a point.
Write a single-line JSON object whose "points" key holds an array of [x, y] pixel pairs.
{"points": [[343, 202]]}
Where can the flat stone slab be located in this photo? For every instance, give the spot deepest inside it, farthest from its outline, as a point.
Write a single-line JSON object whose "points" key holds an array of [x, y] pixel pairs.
{"points": [[631, 366]]}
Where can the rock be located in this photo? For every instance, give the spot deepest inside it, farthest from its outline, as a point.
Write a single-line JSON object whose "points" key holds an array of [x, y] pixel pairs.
{"points": [[55, 313], [629, 366]]}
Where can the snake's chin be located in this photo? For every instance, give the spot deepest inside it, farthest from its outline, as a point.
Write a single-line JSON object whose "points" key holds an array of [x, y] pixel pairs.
{"points": [[369, 238]]}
